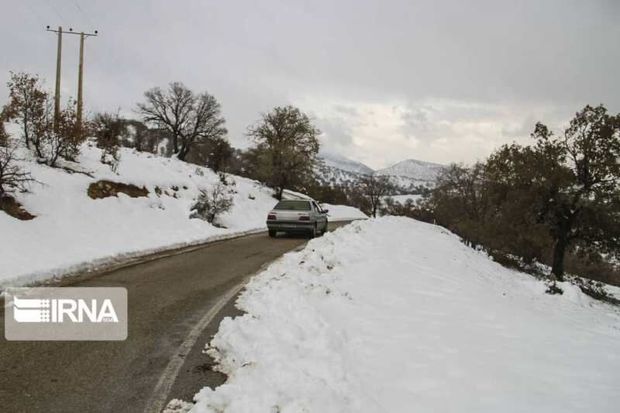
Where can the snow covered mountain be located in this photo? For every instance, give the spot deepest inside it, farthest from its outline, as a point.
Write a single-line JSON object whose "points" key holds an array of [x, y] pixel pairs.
{"points": [[411, 174], [343, 163], [338, 170], [407, 175], [413, 169]]}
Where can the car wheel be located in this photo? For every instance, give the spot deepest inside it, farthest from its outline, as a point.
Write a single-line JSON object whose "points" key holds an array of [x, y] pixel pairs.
{"points": [[324, 229], [272, 233]]}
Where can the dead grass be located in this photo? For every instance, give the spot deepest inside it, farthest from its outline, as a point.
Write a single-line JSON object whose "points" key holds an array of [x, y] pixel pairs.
{"points": [[10, 205], [104, 189]]}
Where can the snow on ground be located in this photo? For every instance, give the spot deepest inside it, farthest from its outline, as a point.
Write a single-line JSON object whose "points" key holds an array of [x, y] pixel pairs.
{"points": [[394, 315], [613, 291], [343, 212], [336, 212], [73, 232]]}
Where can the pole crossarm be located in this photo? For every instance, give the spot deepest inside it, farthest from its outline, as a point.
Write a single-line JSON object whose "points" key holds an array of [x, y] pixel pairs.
{"points": [[70, 31]]}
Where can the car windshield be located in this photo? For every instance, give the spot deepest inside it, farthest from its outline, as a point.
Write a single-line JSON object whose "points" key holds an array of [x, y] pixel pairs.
{"points": [[293, 205]]}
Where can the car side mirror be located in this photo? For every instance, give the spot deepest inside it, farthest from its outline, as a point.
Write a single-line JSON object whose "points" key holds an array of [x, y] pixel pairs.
{"points": [[325, 211]]}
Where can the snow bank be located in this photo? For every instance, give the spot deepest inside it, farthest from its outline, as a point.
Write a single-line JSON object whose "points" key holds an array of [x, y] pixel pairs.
{"points": [[393, 315], [74, 233], [343, 212], [336, 212]]}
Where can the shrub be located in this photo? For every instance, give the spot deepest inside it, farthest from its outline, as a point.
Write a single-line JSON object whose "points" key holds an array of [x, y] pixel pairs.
{"points": [[108, 129], [406, 209], [12, 177], [32, 108], [65, 141], [4, 137], [26, 106], [215, 201]]}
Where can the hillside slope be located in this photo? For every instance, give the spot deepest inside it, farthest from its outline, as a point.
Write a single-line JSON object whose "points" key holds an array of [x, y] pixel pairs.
{"points": [[413, 168], [412, 173], [343, 163], [408, 175], [394, 315], [73, 232]]}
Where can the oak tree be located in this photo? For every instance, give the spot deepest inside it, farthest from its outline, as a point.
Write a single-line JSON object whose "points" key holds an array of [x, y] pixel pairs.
{"points": [[189, 118], [286, 148]]}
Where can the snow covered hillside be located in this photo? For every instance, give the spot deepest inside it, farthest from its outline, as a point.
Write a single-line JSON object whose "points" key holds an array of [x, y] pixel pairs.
{"points": [[339, 170], [407, 175], [412, 172], [73, 232], [394, 315], [412, 168], [344, 164]]}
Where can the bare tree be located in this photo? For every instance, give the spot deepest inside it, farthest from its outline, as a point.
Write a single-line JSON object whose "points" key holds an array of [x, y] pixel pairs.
{"points": [[189, 118], [12, 177], [374, 188], [287, 145]]}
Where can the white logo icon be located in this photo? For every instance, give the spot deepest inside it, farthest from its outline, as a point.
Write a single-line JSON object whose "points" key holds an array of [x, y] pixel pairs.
{"points": [[32, 310]]}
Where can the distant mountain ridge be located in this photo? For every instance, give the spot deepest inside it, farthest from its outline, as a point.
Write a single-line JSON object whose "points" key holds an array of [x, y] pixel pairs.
{"points": [[408, 175], [343, 163], [413, 168]]}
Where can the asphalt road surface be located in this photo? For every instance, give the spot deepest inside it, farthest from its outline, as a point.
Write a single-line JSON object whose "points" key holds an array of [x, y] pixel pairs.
{"points": [[175, 306]]}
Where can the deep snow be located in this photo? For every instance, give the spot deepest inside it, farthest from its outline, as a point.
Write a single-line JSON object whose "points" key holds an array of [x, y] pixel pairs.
{"points": [[73, 232], [394, 315]]}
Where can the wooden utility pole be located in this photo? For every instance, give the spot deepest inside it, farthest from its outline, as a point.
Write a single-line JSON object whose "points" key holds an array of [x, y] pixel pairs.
{"points": [[80, 103], [58, 64], [80, 97]]}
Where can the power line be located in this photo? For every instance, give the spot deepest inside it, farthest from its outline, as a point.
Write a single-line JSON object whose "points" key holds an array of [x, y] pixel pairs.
{"points": [[55, 10], [81, 10]]}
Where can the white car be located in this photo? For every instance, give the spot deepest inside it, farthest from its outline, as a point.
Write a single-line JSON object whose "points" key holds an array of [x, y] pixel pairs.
{"points": [[297, 216]]}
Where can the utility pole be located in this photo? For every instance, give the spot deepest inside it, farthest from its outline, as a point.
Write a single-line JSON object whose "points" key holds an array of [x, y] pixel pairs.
{"points": [[58, 64], [80, 101]]}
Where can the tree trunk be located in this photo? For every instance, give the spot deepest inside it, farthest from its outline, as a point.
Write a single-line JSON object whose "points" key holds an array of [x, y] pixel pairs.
{"points": [[175, 143], [182, 154], [37, 148], [26, 132], [559, 250], [279, 193]]}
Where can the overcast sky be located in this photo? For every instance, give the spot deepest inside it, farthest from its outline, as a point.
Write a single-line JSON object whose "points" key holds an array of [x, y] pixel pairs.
{"points": [[443, 81]]}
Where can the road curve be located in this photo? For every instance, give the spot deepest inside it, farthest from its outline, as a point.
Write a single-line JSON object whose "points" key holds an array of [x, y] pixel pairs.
{"points": [[168, 298]]}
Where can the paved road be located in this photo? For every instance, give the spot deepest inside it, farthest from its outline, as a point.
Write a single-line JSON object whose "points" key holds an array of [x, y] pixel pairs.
{"points": [[168, 298]]}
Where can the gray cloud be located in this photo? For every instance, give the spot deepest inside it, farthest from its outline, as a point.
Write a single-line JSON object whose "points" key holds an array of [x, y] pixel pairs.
{"points": [[437, 80]]}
